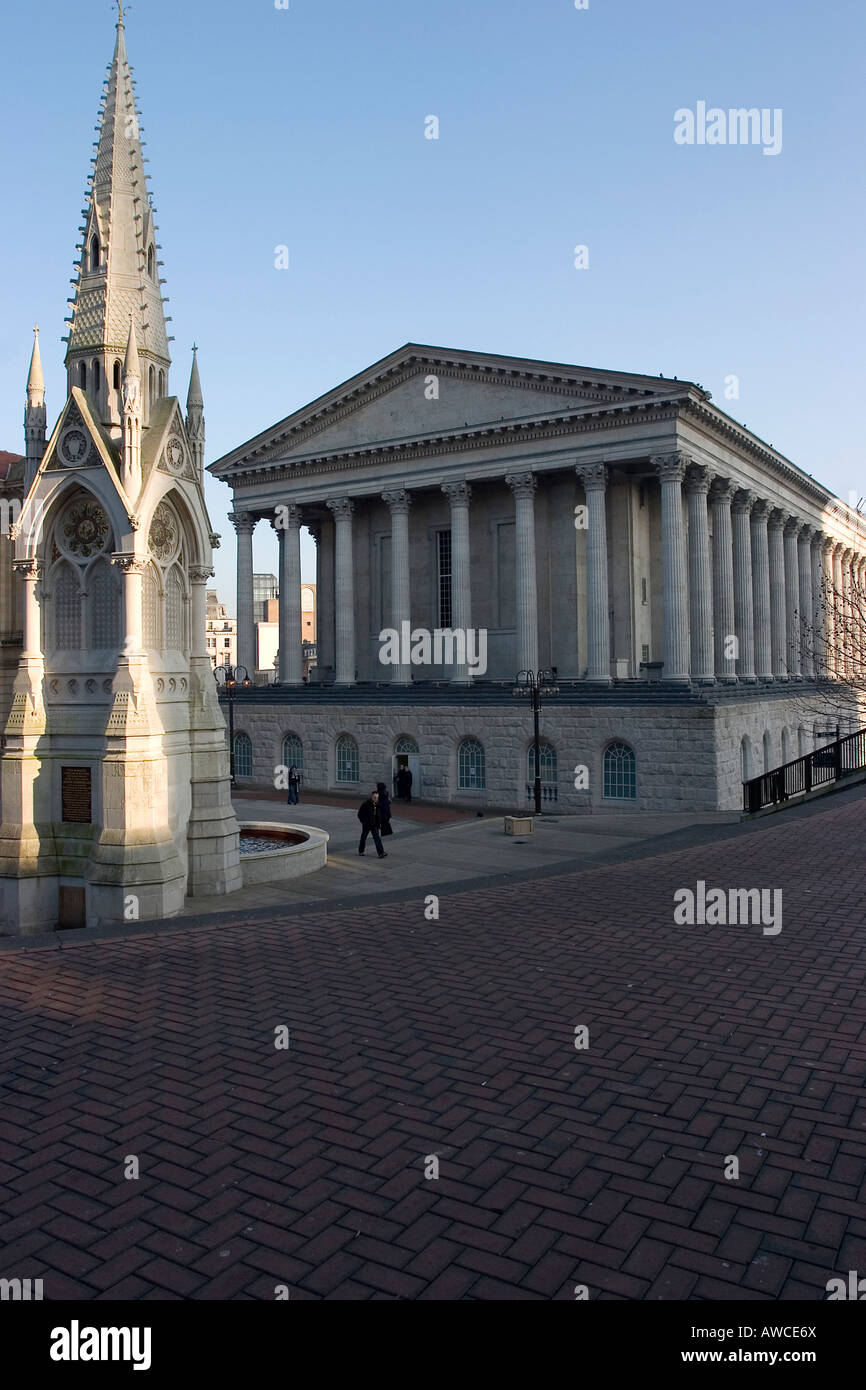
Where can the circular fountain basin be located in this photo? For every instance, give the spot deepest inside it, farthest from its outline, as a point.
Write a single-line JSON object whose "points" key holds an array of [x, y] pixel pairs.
{"points": [[270, 851]]}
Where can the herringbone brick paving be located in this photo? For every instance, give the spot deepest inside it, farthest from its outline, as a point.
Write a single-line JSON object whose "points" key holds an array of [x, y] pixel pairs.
{"points": [[410, 1038]]}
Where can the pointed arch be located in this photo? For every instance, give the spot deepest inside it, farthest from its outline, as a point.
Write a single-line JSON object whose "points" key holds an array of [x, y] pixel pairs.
{"points": [[151, 378], [116, 374], [151, 605], [82, 375], [95, 377], [175, 611], [104, 604], [151, 262], [161, 384], [66, 614], [94, 251], [196, 547]]}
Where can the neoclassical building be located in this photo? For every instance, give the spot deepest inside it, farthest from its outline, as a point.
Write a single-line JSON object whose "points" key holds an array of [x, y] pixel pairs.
{"points": [[687, 582], [115, 791]]}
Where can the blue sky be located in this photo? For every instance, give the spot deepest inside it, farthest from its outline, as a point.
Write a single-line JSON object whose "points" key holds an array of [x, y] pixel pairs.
{"points": [[305, 127]]}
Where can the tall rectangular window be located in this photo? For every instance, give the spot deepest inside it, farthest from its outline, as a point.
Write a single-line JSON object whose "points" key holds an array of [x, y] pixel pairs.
{"points": [[443, 578]]}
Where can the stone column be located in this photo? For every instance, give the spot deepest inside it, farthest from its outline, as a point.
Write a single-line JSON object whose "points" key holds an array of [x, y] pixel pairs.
{"points": [[839, 627], [459, 496], [31, 571], [523, 486], [792, 597], [778, 611], [859, 610], [807, 638], [344, 589], [700, 585], [721, 494], [819, 637], [744, 612], [198, 578], [849, 616], [828, 607], [287, 524], [671, 470], [244, 525], [398, 504], [761, 591], [132, 568], [594, 479]]}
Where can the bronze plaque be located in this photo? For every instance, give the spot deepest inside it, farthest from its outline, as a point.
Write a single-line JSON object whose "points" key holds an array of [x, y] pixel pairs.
{"points": [[75, 795]]}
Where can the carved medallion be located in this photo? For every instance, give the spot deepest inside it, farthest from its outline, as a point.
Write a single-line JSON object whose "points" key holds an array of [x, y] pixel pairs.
{"points": [[174, 455], [84, 530], [73, 448], [163, 535]]}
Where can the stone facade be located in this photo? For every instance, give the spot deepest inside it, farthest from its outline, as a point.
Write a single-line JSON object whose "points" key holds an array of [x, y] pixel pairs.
{"points": [[688, 755]]}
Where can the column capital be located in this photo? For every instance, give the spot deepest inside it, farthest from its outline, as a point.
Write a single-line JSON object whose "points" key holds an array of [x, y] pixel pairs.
{"points": [[760, 510], [722, 491], [698, 479], [671, 468], [315, 530], [286, 514], [828, 545], [817, 539], [341, 507], [199, 574], [130, 564], [777, 519], [243, 522], [806, 534], [742, 502], [793, 526], [592, 475], [398, 503], [28, 569], [522, 484], [458, 494]]}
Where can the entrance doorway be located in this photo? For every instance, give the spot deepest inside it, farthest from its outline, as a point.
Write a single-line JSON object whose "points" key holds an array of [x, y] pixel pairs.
{"points": [[406, 756]]}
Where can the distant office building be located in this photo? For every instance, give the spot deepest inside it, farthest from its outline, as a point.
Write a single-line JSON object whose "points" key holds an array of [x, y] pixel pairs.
{"points": [[265, 588], [222, 632]]}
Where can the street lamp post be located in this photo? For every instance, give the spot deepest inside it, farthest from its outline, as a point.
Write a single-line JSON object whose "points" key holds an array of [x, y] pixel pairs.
{"points": [[532, 685], [232, 677]]}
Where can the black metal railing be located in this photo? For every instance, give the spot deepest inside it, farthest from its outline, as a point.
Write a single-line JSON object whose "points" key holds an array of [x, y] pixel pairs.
{"points": [[549, 791], [823, 765]]}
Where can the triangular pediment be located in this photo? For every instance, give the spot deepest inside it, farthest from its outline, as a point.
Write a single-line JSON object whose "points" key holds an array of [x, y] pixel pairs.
{"points": [[419, 393], [165, 445], [79, 440]]}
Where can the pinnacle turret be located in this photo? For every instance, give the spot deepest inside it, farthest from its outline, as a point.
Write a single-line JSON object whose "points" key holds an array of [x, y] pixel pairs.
{"points": [[35, 418], [195, 413]]}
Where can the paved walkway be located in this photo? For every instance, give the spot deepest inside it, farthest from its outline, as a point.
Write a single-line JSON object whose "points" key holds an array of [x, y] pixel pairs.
{"points": [[454, 1038]]}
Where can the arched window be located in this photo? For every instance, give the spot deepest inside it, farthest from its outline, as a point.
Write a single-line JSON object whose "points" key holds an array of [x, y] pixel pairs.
{"points": [[768, 751], [94, 252], [67, 609], [471, 766], [151, 262], [82, 375], [96, 377], [175, 636], [152, 383], [347, 759], [619, 780], [151, 636], [746, 756], [547, 763], [103, 602], [406, 746], [161, 385], [243, 756], [293, 752], [786, 746], [117, 370]]}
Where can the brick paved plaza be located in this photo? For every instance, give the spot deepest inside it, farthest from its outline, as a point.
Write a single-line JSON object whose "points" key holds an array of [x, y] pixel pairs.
{"points": [[410, 1038]]}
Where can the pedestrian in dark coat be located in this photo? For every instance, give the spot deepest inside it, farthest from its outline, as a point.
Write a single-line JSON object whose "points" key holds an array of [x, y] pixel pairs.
{"points": [[294, 785], [404, 784], [384, 809], [368, 815]]}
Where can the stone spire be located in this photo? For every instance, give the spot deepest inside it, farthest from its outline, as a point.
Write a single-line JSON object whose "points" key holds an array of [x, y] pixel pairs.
{"points": [[118, 272], [195, 413], [34, 415]]}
